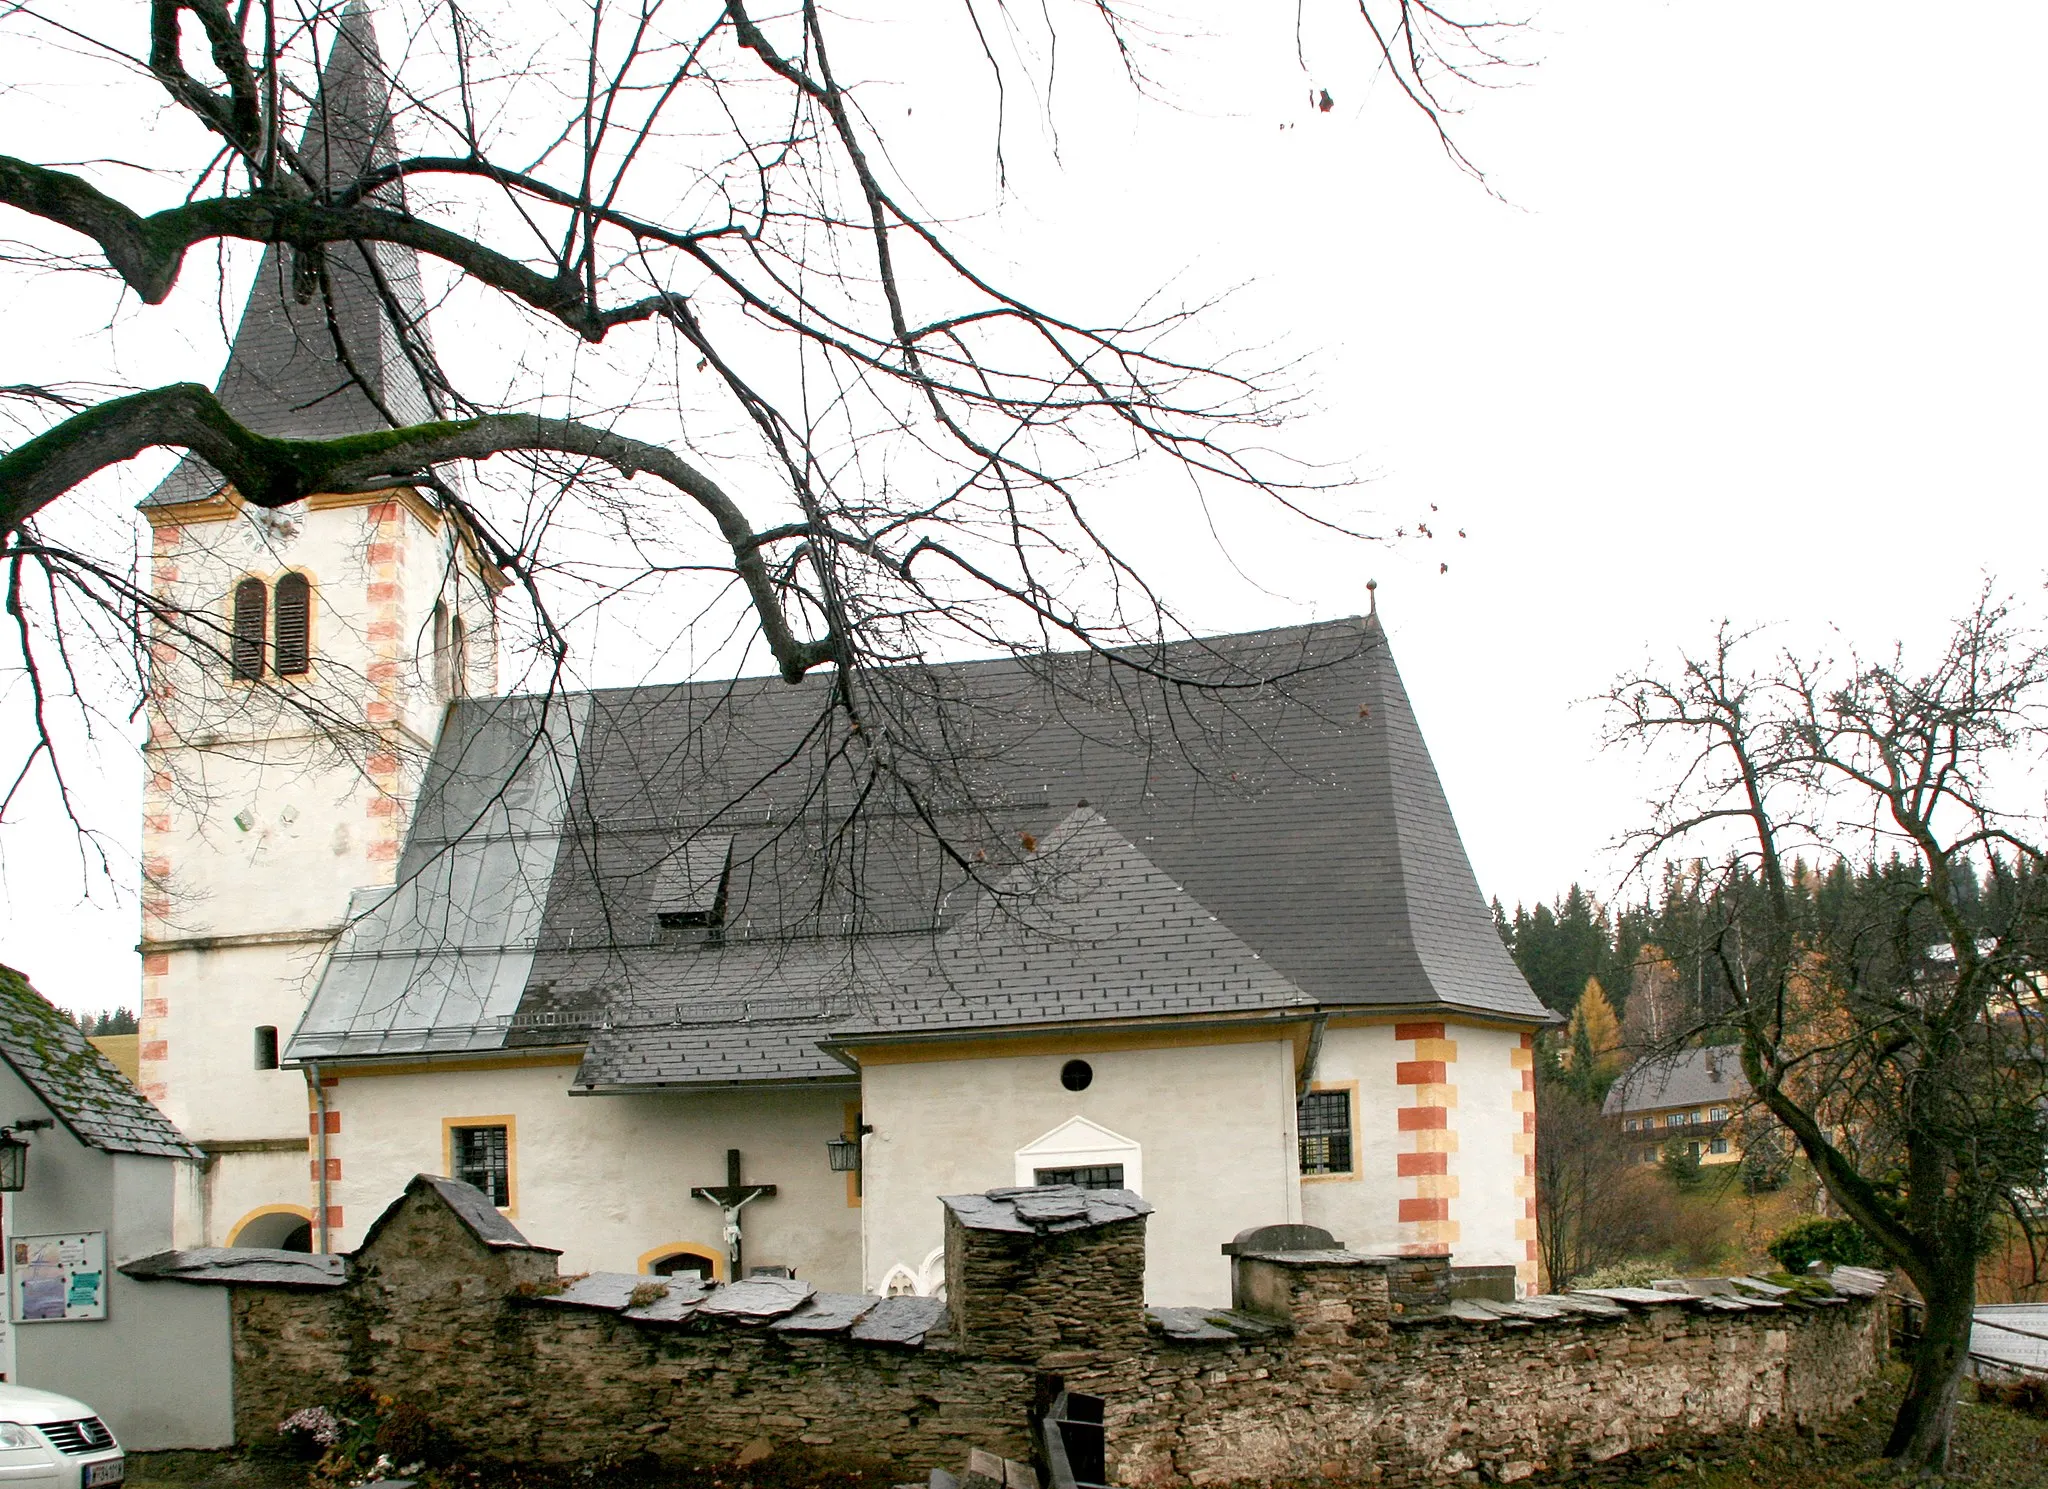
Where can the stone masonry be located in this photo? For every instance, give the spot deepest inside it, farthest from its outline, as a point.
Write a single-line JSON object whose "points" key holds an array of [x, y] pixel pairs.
{"points": [[1319, 1371]]}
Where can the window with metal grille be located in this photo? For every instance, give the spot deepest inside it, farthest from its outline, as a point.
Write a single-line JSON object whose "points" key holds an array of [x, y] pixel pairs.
{"points": [[1092, 1176], [292, 649], [245, 647], [483, 1157], [1324, 1122]]}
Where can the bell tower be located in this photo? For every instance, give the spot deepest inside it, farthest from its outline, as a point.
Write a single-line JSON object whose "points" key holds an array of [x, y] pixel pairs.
{"points": [[300, 664]]}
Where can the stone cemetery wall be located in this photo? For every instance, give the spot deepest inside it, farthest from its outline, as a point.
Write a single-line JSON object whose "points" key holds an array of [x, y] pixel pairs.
{"points": [[1333, 1365]]}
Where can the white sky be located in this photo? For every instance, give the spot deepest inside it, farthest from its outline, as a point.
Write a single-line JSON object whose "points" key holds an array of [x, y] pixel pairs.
{"points": [[1757, 335]]}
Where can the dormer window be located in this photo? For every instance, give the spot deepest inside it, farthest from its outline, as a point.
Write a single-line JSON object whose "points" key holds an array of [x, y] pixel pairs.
{"points": [[689, 885]]}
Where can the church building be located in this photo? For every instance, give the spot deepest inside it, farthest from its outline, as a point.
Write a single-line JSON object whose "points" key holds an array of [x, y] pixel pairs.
{"points": [[698, 977]]}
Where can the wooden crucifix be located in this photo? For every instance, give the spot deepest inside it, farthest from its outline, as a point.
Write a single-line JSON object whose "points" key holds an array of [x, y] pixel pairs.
{"points": [[731, 1197]]}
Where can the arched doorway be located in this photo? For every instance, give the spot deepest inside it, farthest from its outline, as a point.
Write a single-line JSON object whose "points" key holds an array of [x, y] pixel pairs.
{"points": [[681, 1260], [275, 1228]]}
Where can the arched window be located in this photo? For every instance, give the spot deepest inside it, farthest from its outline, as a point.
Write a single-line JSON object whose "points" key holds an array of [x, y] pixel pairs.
{"points": [[245, 649], [292, 651], [440, 644], [458, 659]]}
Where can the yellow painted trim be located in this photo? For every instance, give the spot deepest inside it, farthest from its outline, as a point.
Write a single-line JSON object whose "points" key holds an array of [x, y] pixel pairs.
{"points": [[851, 1118], [443, 1067], [1357, 1169], [1434, 1016], [511, 1125], [223, 505], [645, 1265], [1081, 1041], [297, 1212], [405, 496]]}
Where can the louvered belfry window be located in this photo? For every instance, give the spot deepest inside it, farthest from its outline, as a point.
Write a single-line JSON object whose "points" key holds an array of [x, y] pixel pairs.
{"points": [[293, 653], [245, 649]]}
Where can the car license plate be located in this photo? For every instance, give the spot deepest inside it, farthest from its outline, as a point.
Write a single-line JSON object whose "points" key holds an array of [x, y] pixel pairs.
{"points": [[97, 1474]]}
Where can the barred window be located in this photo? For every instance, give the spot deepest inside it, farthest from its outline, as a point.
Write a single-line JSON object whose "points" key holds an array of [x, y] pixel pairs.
{"points": [[483, 1158], [292, 652], [1324, 1120], [1093, 1176], [245, 647]]}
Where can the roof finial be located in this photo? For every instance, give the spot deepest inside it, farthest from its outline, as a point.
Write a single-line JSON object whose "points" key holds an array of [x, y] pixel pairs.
{"points": [[1372, 599]]}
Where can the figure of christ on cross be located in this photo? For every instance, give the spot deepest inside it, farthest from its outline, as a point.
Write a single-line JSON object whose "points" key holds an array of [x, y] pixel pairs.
{"points": [[731, 1197]]}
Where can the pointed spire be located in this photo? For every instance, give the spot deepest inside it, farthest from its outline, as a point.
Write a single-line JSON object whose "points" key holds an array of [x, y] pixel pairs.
{"points": [[293, 372]]}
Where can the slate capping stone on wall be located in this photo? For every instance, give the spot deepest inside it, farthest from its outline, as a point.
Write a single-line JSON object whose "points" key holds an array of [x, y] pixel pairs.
{"points": [[1328, 1377]]}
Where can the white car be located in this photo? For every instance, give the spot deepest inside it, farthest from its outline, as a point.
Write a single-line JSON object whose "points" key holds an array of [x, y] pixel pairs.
{"points": [[51, 1440]]}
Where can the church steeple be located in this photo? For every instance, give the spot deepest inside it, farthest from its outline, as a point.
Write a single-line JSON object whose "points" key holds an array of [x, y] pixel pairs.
{"points": [[303, 662], [328, 343]]}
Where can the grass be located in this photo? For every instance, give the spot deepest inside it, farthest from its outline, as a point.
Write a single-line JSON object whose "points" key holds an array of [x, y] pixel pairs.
{"points": [[1996, 1447]]}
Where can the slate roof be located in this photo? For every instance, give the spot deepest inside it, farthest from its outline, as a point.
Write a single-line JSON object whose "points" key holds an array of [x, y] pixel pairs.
{"points": [[229, 1266], [1274, 839], [285, 375], [1045, 1209], [1709, 1076], [95, 1102]]}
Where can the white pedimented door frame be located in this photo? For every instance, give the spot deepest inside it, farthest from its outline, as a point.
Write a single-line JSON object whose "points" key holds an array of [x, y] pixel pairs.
{"points": [[1080, 1143]]}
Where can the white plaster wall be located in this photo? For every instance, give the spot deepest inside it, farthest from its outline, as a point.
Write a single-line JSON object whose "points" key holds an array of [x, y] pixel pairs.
{"points": [[608, 1178], [1215, 1122], [238, 1183], [1361, 1211], [158, 1366], [260, 820], [210, 1004], [1364, 1212], [1491, 1198]]}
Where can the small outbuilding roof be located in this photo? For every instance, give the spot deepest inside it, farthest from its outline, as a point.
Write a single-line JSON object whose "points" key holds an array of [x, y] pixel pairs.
{"points": [[95, 1102], [244, 1265]]}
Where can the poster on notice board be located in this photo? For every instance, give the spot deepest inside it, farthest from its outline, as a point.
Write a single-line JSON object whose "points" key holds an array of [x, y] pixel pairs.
{"points": [[53, 1279]]}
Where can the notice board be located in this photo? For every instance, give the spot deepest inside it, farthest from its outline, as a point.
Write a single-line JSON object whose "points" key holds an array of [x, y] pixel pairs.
{"points": [[55, 1279]]}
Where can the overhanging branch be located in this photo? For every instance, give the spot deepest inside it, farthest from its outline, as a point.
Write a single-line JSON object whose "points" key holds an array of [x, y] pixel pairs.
{"points": [[271, 473]]}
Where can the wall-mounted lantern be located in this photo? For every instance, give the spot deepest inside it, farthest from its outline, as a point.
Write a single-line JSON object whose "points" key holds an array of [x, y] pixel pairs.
{"points": [[843, 1152], [14, 1153]]}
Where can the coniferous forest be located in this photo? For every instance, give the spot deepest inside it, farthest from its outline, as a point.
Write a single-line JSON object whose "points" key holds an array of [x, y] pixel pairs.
{"points": [[1655, 959]]}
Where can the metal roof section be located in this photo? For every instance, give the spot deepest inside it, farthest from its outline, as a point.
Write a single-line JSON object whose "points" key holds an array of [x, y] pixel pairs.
{"points": [[290, 373], [95, 1102], [1707, 1076], [438, 962]]}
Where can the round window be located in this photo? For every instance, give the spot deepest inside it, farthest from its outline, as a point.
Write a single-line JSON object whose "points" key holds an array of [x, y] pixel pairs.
{"points": [[1077, 1075]]}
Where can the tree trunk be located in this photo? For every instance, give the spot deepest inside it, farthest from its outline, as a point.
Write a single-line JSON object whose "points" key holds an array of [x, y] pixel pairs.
{"points": [[1927, 1417]]}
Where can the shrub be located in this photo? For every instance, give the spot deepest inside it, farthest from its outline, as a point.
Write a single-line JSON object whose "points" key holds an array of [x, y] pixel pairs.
{"points": [[1681, 1164], [1839, 1243]]}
